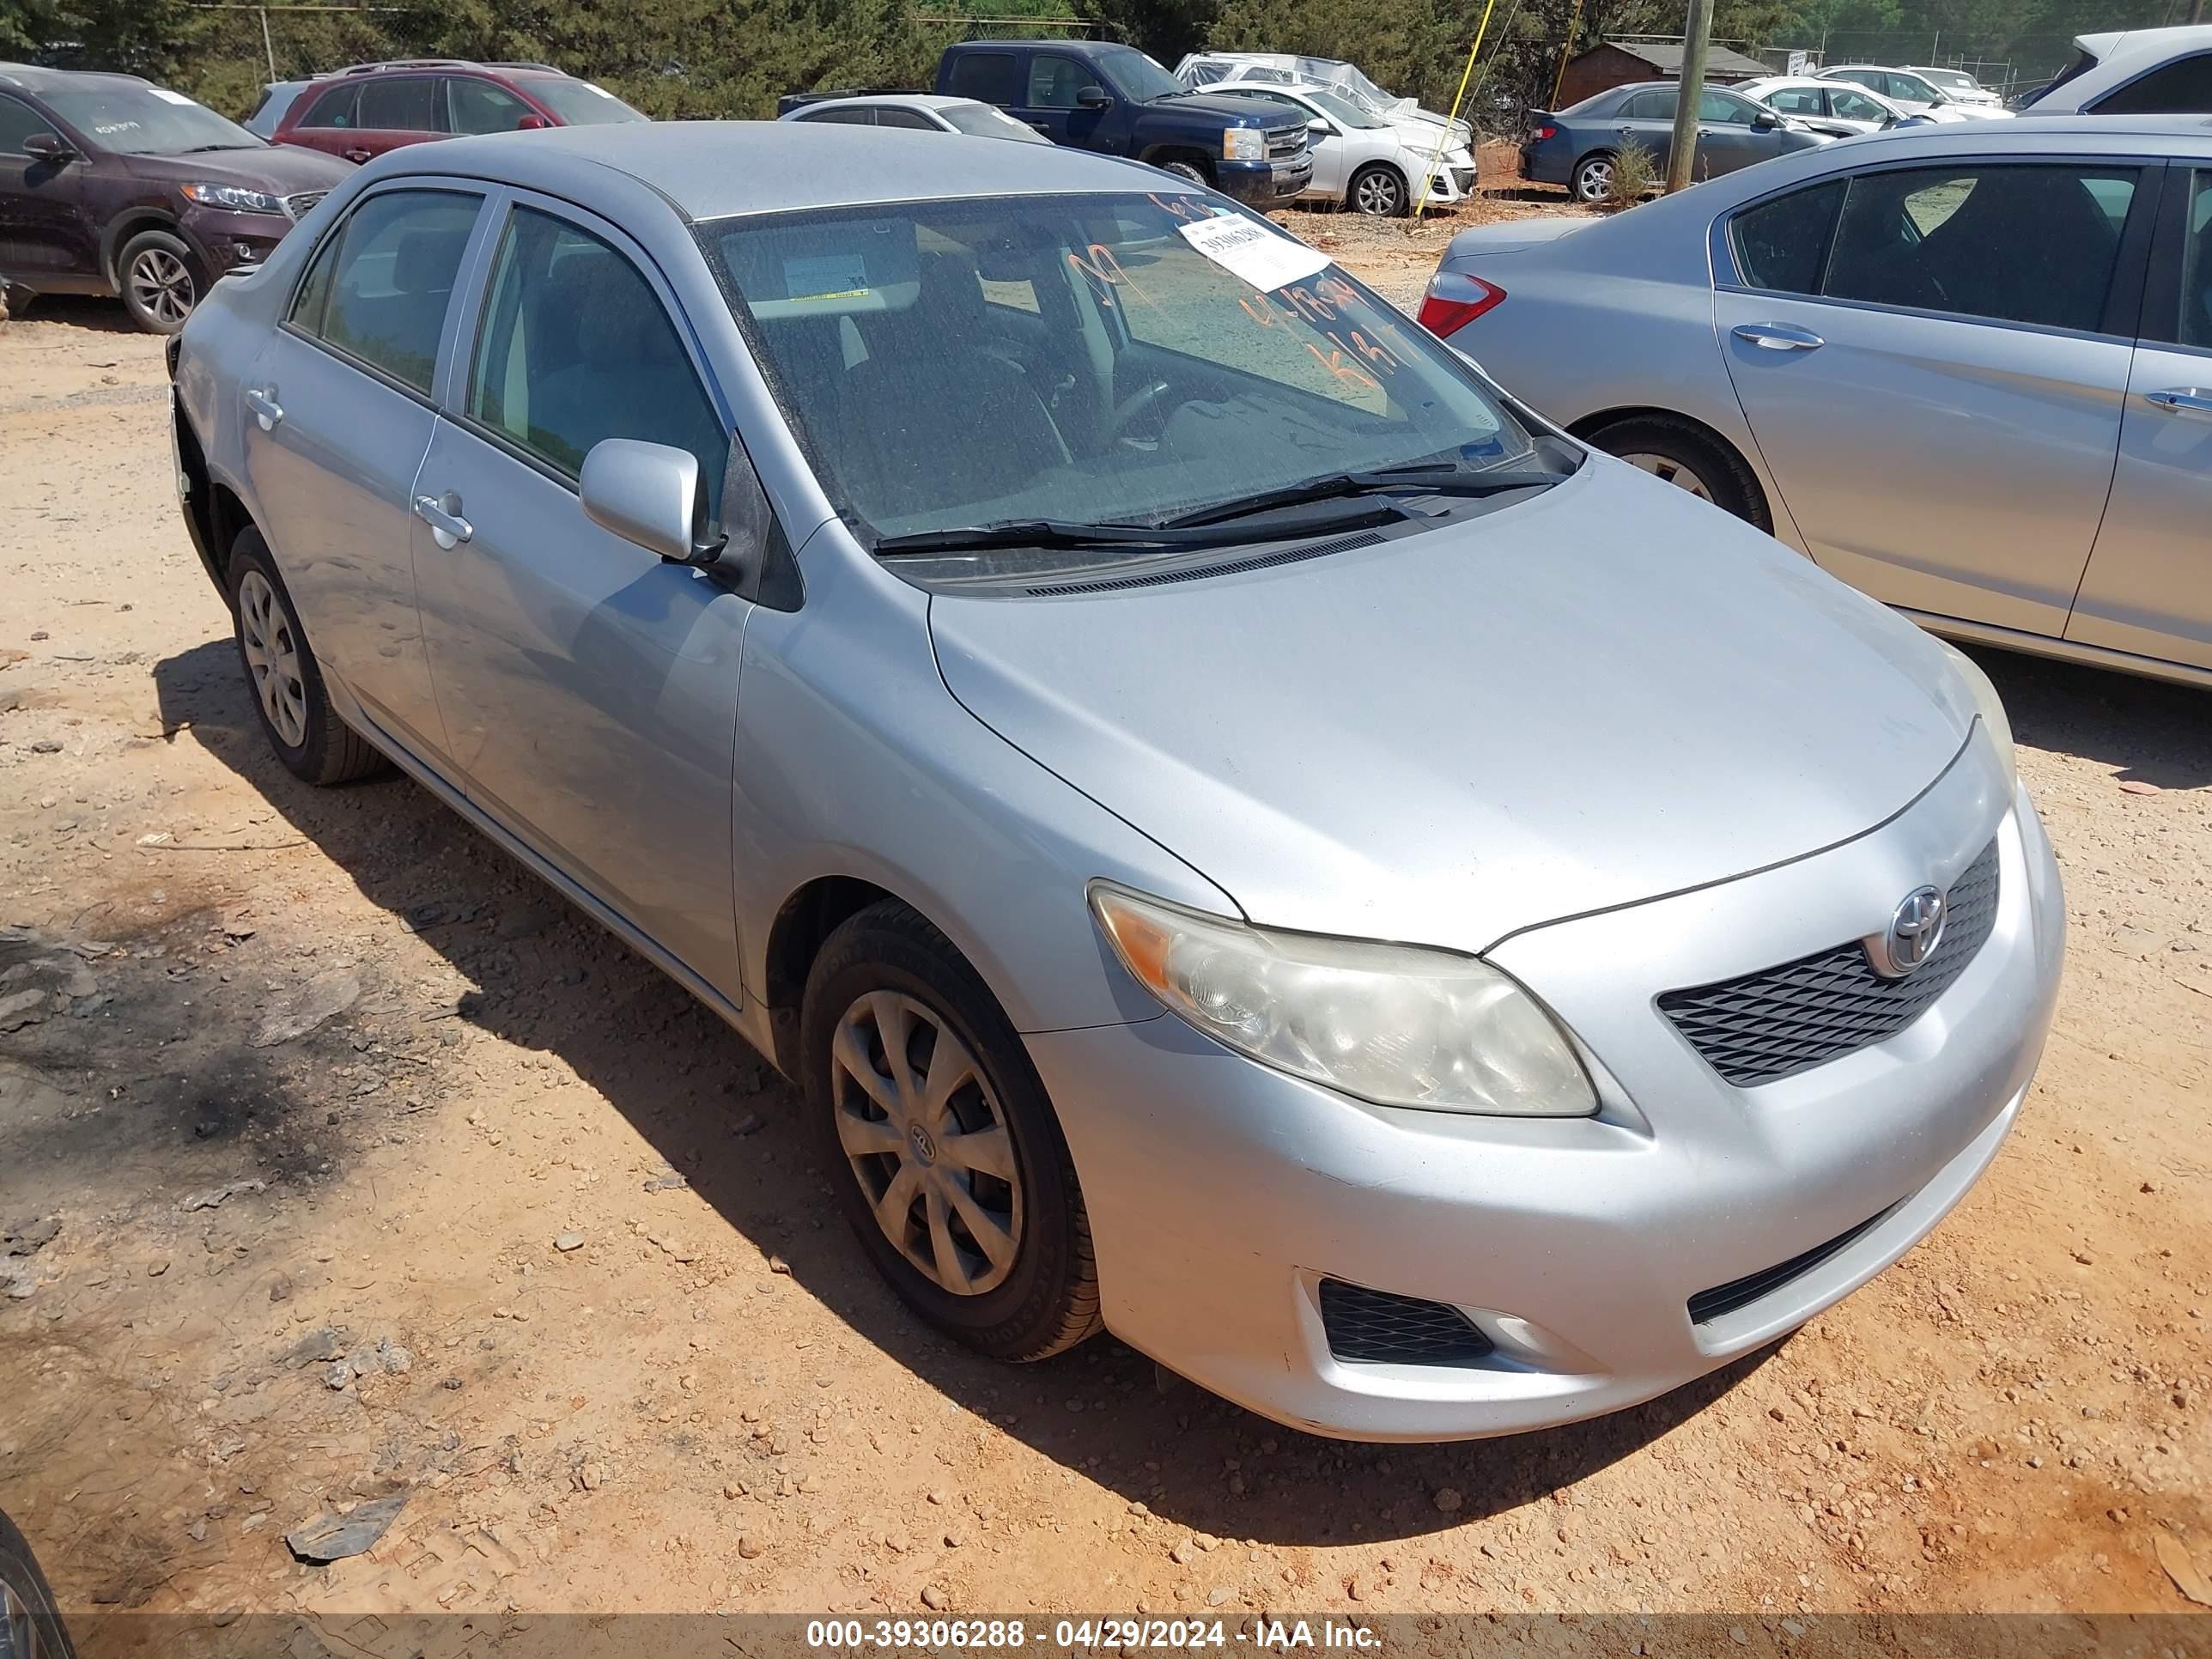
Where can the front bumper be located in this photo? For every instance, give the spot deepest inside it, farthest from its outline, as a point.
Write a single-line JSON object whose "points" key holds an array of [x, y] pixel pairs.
{"points": [[224, 240], [1220, 1193], [1264, 184], [1449, 185]]}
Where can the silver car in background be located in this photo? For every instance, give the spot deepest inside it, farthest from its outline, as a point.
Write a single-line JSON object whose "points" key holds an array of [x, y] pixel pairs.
{"points": [[1968, 369], [1241, 832]]}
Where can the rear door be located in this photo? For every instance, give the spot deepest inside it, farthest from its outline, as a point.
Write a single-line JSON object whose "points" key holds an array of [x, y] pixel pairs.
{"points": [[396, 110], [1647, 118], [339, 414], [1726, 139], [44, 227], [2148, 589], [1933, 360], [988, 77], [590, 688]]}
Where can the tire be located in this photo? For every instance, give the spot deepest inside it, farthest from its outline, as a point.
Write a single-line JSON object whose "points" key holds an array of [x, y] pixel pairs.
{"points": [[1033, 1292], [160, 281], [1189, 170], [289, 694], [1592, 178], [1379, 190], [1688, 456], [26, 1602]]}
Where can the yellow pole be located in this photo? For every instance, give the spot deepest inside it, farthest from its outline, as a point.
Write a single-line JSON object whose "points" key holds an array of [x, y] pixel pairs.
{"points": [[1565, 53], [1444, 137]]}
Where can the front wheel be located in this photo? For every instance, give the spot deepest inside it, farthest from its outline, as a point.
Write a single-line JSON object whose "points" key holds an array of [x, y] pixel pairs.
{"points": [[945, 1154], [1593, 179], [1189, 170], [161, 283], [1380, 192]]}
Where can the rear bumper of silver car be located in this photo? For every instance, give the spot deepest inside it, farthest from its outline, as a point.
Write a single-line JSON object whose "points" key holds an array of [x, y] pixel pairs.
{"points": [[1224, 1195]]}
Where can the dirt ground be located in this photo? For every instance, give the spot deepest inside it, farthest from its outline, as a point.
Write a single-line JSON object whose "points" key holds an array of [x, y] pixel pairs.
{"points": [[339, 1160]]}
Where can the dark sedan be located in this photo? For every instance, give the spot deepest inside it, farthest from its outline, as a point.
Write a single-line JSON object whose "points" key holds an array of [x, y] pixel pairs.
{"points": [[1579, 147]]}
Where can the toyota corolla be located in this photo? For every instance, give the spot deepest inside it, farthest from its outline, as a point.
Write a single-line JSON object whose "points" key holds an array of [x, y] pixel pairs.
{"points": [[1246, 838]]}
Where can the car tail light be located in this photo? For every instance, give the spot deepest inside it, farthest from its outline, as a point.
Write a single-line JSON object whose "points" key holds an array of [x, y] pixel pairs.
{"points": [[1537, 135], [1453, 301]]}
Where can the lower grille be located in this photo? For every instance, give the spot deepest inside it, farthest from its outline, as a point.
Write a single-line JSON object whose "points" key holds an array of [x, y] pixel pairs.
{"points": [[1781, 1021], [1708, 1306], [298, 207], [1402, 1330]]}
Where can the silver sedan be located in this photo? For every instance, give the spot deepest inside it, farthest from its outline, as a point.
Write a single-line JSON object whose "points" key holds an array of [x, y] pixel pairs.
{"points": [[1968, 369], [1241, 832]]}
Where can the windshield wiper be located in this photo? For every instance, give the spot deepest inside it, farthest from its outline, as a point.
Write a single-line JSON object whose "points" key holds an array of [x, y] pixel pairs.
{"points": [[1174, 533], [1433, 480], [202, 149]]}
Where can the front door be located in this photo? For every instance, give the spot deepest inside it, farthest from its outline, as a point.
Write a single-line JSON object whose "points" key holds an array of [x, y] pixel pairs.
{"points": [[1928, 359], [1726, 139], [1647, 119], [338, 417], [590, 688], [43, 231], [1052, 99], [2148, 589]]}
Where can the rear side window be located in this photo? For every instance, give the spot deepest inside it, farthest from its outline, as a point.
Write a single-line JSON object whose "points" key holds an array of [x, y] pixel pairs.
{"points": [[389, 278], [576, 348], [2197, 263], [2013, 244], [842, 117], [476, 106], [18, 121], [399, 103], [334, 108], [1657, 105], [1796, 100], [2181, 87], [887, 117], [985, 76], [1783, 243]]}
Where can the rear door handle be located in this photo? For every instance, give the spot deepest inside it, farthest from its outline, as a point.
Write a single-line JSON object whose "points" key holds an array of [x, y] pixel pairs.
{"points": [[262, 400], [357, 155], [1778, 337], [443, 514], [2183, 400]]}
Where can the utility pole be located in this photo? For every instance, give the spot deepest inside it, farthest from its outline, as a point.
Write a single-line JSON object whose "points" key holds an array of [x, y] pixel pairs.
{"points": [[2195, 11], [1681, 159]]}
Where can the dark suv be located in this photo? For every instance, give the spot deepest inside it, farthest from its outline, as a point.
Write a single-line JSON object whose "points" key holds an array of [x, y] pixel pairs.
{"points": [[110, 185], [370, 108]]}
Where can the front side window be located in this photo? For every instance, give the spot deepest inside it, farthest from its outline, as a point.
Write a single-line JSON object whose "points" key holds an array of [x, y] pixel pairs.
{"points": [[876, 326], [18, 121], [131, 118], [399, 103], [336, 109], [1057, 82], [390, 279], [1656, 104], [1794, 100], [1855, 106], [1137, 76], [2009, 243], [2181, 87], [986, 76], [476, 106], [1722, 109], [576, 347]]}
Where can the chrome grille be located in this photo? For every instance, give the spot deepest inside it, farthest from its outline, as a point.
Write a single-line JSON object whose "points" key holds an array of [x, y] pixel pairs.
{"points": [[1285, 143], [298, 207], [1780, 1021]]}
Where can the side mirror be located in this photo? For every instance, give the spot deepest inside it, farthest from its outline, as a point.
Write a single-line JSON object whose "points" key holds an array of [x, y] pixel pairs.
{"points": [[1765, 121], [1319, 128], [648, 494], [48, 147], [1094, 97], [531, 124]]}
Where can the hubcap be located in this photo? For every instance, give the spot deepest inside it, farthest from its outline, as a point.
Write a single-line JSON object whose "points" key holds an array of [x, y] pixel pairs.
{"points": [[1379, 193], [1666, 467], [927, 1141], [1598, 180], [272, 656], [161, 286]]}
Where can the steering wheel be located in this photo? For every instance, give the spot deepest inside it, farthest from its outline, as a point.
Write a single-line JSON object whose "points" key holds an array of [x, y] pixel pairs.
{"points": [[1143, 401]]}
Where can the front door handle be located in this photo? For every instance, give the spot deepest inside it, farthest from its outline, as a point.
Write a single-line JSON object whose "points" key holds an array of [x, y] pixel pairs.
{"points": [[2183, 400], [357, 154], [443, 514], [262, 400], [1778, 337]]}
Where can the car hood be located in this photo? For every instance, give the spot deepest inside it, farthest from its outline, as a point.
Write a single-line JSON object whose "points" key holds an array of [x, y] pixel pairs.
{"points": [[1231, 112], [1609, 693], [280, 169]]}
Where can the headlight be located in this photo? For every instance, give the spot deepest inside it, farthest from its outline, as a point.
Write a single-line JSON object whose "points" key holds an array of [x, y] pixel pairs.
{"points": [[1392, 1024], [236, 197], [1989, 706], [1243, 145]]}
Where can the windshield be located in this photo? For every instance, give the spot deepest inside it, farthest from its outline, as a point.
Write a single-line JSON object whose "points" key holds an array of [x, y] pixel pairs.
{"points": [[983, 121], [1950, 79], [1344, 111], [142, 121], [1137, 75], [579, 103], [1078, 359]]}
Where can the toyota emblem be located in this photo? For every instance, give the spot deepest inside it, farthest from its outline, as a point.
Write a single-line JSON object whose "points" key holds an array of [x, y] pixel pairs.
{"points": [[1914, 931]]}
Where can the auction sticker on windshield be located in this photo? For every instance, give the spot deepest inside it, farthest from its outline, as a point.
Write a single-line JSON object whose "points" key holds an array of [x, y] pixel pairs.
{"points": [[1264, 258]]}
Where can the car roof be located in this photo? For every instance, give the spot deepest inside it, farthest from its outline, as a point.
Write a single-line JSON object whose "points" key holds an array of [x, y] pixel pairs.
{"points": [[716, 169], [896, 99], [31, 78], [2180, 38]]}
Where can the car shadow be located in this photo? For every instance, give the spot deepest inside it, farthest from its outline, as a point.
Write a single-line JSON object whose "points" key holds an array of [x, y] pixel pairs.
{"points": [[555, 982], [2152, 730], [73, 310]]}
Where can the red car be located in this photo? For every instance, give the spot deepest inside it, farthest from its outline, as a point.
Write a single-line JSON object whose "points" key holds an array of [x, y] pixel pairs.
{"points": [[364, 110]]}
